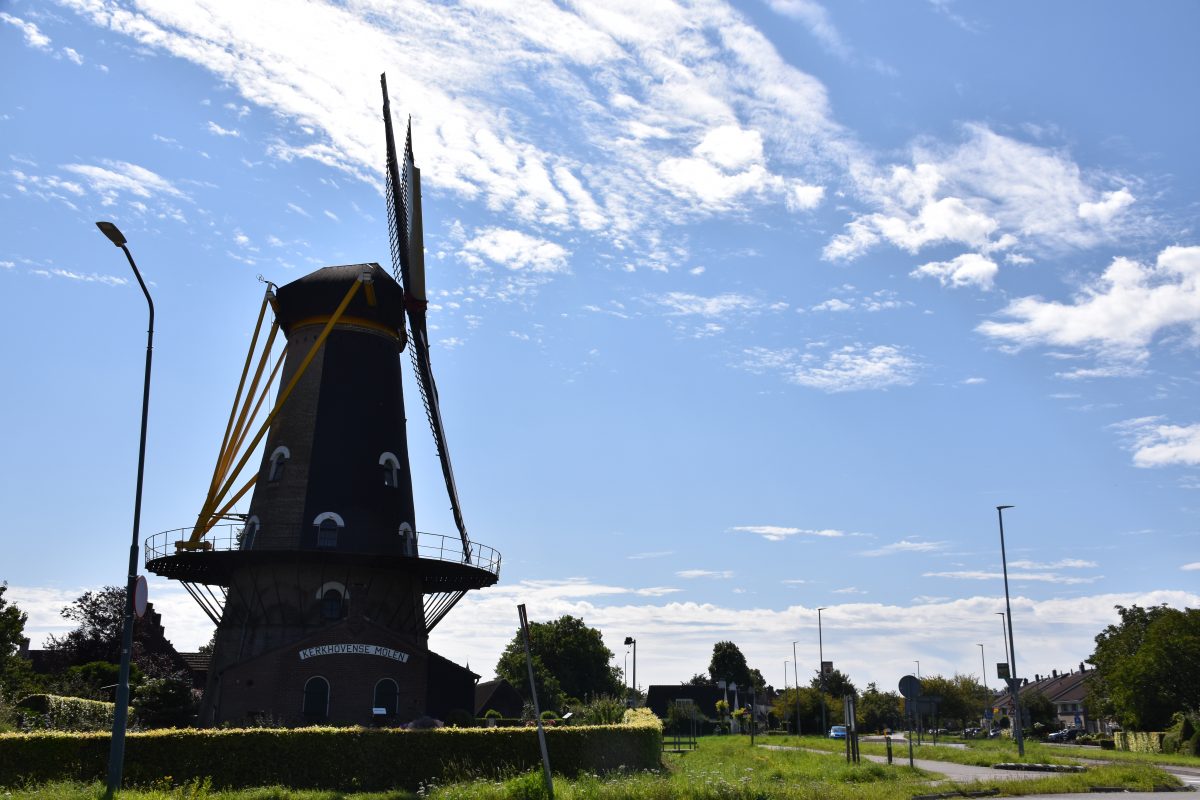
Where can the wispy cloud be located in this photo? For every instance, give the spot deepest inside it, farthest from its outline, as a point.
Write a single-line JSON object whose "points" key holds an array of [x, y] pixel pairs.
{"points": [[684, 304], [849, 368], [704, 573], [1043, 577], [82, 277], [905, 546], [1192, 567], [1155, 443], [33, 36], [655, 554], [514, 250], [776, 533], [1066, 563]]}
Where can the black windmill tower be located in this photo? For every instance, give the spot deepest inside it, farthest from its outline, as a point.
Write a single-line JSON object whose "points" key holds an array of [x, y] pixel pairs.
{"points": [[324, 593]]}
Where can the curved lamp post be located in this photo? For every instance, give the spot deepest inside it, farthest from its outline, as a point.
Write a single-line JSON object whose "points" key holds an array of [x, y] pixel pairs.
{"points": [[116, 754]]}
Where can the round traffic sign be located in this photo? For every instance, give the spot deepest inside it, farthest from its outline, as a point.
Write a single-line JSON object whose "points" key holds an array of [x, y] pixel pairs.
{"points": [[139, 596], [910, 687]]}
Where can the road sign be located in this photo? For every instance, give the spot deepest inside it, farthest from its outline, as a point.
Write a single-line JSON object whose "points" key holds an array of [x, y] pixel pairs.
{"points": [[910, 687], [827, 667], [988, 713], [1002, 670], [1078, 720], [139, 597]]}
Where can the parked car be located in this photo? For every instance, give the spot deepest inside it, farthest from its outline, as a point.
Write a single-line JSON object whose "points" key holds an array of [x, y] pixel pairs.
{"points": [[837, 732], [1065, 735]]}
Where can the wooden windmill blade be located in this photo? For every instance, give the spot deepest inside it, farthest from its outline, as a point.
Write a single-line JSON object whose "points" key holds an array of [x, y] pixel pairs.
{"points": [[408, 264]]}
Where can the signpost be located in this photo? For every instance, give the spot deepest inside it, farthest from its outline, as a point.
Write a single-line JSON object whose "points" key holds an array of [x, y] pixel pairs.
{"points": [[537, 713], [910, 688]]}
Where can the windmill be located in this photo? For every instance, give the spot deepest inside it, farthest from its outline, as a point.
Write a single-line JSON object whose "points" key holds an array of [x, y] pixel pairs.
{"points": [[323, 592]]}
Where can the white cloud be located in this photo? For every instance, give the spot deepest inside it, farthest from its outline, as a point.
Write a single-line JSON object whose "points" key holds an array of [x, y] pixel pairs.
{"points": [[989, 192], [514, 250], [82, 277], [217, 130], [1192, 567], [655, 554], [850, 368], [121, 177], [968, 269], [1042, 577], [849, 590], [833, 304], [816, 19], [1157, 444], [73, 56], [694, 90], [1118, 314], [704, 573], [683, 304], [1066, 563], [777, 533], [905, 546], [974, 381], [1105, 209], [33, 36]]}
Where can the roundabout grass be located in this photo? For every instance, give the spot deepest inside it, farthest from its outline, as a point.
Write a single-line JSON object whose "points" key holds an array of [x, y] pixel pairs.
{"points": [[722, 768]]}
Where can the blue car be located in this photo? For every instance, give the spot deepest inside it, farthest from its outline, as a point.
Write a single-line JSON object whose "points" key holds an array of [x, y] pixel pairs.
{"points": [[837, 732]]}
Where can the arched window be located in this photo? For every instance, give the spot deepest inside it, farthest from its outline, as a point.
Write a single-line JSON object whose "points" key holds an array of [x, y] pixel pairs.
{"points": [[391, 470], [387, 696], [279, 458], [316, 698], [331, 605], [328, 525], [249, 534]]}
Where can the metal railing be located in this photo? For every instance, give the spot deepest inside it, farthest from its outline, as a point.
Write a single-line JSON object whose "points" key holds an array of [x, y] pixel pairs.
{"points": [[229, 536]]}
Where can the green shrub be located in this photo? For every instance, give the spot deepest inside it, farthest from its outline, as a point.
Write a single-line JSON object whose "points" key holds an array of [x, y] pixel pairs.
{"points": [[164, 703], [329, 758], [460, 718], [50, 712], [549, 715], [1193, 745], [493, 714], [603, 710]]}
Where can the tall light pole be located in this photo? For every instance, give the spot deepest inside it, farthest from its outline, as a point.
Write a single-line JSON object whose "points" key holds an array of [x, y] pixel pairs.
{"points": [[918, 663], [796, 672], [629, 640], [785, 680], [1004, 632], [1013, 684], [116, 753], [821, 671], [983, 666]]}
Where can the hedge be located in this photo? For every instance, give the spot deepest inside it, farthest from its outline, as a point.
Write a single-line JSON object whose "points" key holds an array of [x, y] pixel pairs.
{"points": [[328, 758], [1139, 742], [54, 713]]}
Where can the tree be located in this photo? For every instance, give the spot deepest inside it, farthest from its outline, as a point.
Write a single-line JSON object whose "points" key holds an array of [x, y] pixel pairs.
{"points": [[164, 703], [784, 708], [569, 660], [1147, 667], [699, 679], [963, 698], [100, 615], [878, 710], [729, 665], [16, 674], [837, 684], [757, 681]]}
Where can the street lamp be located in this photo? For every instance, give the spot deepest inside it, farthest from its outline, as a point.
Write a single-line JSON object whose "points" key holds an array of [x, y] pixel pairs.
{"points": [[821, 671], [785, 681], [796, 672], [629, 640], [918, 663], [1004, 632], [1013, 684], [983, 666], [116, 753]]}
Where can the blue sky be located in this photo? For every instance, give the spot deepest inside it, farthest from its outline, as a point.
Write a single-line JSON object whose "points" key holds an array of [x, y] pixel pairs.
{"points": [[737, 310]]}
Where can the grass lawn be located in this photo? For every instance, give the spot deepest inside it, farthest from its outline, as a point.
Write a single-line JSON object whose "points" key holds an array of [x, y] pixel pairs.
{"points": [[723, 768]]}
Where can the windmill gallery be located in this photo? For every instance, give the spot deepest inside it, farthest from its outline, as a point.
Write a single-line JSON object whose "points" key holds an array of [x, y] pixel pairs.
{"points": [[323, 592]]}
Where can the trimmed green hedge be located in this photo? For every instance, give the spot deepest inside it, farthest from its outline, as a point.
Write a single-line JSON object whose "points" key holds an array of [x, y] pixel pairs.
{"points": [[328, 758], [1139, 742], [52, 712]]}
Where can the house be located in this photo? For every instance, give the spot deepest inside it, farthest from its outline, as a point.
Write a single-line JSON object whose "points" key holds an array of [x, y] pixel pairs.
{"points": [[1066, 690], [498, 695]]}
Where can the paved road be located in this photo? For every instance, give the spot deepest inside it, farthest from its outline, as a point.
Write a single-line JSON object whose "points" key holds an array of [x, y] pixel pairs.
{"points": [[963, 773]]}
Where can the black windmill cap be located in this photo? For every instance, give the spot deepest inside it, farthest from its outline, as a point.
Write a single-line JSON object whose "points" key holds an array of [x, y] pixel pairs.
{"points": [[318, 294]]}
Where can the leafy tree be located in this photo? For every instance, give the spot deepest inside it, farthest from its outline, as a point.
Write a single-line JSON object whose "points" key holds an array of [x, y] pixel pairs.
{"points": [[963, 698], [837, 684], [878, 710], [1147, 667], [94, 680], [164, 703], [699, 679], [784, 708], [729, 665], [569, 659], [16, 675], [99, 616], [1040, 710], [757, 681]]}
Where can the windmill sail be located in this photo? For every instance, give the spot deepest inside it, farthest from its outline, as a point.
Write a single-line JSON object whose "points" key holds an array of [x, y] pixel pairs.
{"points": [[408, 266]]}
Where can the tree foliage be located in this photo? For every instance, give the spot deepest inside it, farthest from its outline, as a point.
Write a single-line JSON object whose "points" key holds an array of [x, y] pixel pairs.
{"points": [[16, 675], [729, 665], [1147, 667], [97, 636], [784, 708], [569, 660], [963, 698], [878, 710], [836, 684]]}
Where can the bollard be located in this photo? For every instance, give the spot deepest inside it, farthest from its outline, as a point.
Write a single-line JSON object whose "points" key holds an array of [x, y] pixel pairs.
{"points": [[888, 739]]}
